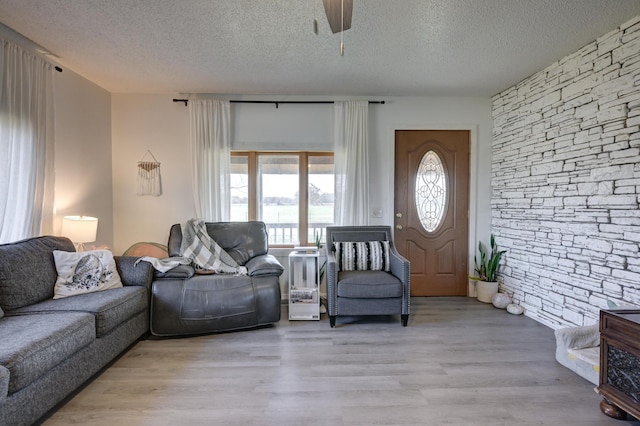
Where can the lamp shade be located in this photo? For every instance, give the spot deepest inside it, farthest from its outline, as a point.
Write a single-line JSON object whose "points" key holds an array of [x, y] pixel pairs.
{"points": [[80, 229]]}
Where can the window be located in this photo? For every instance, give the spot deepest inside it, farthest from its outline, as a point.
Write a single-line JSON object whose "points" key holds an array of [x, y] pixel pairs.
{"points": [[431, 191], [292, 192]]}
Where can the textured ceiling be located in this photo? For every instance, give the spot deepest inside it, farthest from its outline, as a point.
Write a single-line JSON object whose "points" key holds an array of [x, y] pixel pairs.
{"points": [[394, 48]]}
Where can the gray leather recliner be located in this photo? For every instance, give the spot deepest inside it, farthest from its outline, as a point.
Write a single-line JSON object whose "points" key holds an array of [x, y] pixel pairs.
{"points": [[185, 303]]}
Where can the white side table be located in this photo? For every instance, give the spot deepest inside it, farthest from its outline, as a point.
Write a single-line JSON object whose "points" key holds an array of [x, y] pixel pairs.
{"points": [[304, 284]]}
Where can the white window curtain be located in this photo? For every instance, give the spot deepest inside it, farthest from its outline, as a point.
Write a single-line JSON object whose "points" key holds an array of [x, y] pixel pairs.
{"points": [[26, 144], [351, 159], [211, 158]]}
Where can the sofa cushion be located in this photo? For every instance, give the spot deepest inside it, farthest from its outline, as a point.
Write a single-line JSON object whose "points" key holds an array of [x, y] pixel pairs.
{"points": [[110, 307], [85, 272], [27, 270], [34, 344], [4, 383], [368, 285]]}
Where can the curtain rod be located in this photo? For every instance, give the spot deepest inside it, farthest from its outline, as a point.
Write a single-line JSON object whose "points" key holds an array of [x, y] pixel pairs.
{"points": [[277, 103]]}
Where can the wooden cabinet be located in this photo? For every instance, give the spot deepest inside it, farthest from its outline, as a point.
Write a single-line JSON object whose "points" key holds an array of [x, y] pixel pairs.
{"points": [[620, 362]]}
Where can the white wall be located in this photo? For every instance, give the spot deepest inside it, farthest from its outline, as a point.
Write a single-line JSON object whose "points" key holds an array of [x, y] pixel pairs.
{"points": [[154, 122], [472, 114], [83, 153]]}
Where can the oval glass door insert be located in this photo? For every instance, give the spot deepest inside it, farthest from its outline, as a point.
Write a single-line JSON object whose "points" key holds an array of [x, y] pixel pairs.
{"points": [[431, 191]]}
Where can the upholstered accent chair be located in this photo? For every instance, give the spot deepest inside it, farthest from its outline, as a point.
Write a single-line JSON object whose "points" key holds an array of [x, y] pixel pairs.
{"points": [[365, 273]]}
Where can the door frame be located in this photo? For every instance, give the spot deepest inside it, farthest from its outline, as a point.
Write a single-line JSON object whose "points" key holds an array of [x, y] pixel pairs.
{"points": [[473, 180]]}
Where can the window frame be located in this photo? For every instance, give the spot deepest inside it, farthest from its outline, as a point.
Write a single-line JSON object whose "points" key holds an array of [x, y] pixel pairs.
{"points": [[303, 187]]}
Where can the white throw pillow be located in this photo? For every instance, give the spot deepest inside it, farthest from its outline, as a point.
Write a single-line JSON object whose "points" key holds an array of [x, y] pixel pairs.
{"points": [[84, 272]]}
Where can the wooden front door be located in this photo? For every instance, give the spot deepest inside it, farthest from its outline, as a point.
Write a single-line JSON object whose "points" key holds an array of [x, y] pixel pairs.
{"points": [[431, 209]]}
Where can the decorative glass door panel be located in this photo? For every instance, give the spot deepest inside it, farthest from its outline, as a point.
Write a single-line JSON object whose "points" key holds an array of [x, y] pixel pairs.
{"points": [[431, 191]]}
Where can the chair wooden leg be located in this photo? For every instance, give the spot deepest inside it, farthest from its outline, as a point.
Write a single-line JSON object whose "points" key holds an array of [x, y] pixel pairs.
{"points": [[405, 320], [332, 320]]}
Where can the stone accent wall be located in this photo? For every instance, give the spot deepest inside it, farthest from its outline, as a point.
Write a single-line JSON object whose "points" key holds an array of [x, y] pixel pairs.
{"points": [[566, 182]]}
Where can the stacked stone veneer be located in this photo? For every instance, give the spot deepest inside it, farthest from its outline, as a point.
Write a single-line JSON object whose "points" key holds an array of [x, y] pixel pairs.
{"points": [[566, 182]]}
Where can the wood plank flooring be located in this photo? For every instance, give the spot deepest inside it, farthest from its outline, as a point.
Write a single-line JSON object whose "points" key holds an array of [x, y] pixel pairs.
{"points": [[459, 362]]}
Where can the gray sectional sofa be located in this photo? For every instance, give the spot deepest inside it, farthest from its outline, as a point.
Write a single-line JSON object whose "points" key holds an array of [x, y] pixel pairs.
{"points": [[48, 348]]}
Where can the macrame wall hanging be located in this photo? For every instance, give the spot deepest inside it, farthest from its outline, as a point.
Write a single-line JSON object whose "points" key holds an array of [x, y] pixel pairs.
{"points": [[149, 182]]}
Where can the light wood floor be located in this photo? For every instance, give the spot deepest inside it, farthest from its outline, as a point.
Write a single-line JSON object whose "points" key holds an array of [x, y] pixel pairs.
{"points": [[459, 362]]}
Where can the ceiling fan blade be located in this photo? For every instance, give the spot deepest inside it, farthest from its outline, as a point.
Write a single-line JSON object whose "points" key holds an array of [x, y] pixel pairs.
{"points": [[333, 9]]}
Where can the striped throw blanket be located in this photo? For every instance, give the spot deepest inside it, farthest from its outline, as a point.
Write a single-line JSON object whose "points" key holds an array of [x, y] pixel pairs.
{"points": [[204, 253]]}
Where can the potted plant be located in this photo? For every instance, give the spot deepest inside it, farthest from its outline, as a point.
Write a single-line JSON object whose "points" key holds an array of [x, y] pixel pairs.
{"points": [[486, 270]]}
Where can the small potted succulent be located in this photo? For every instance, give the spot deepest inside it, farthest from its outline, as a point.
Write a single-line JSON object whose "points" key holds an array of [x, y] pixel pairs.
{"points": [[486, 270]]}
